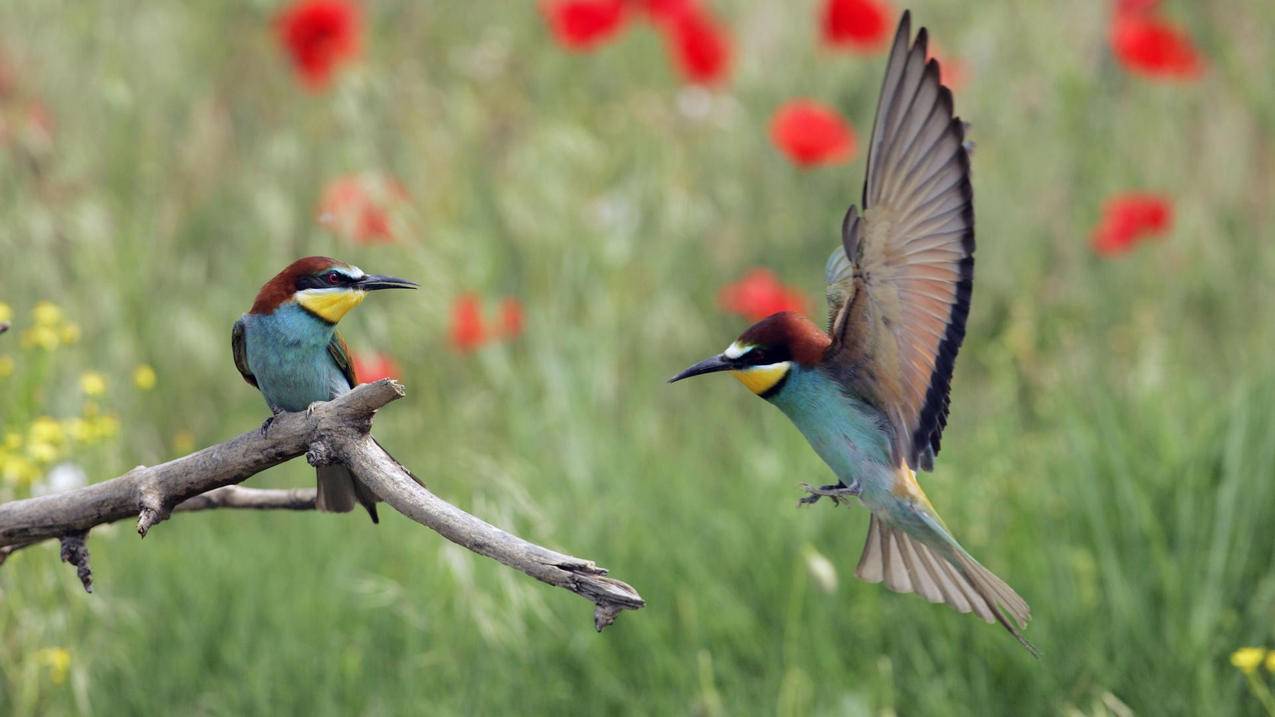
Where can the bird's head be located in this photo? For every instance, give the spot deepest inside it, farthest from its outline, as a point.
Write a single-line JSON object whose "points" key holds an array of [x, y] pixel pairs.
{"points": [[764, 355], [324, 287]]}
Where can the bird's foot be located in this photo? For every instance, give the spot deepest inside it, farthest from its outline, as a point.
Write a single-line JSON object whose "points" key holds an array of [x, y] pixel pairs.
{"points": [[837, 492], [265, 425], [309, 410]]}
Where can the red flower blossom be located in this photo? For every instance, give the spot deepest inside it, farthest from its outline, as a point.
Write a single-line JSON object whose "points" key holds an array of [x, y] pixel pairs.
{"points": [[758, 295], [510, 318], [699, 46], [358, 207], [584, 24], [861, 25], [468, 331], [319, 35], [811, 133], [1129, 218], [374, 367], [1149, 46]]}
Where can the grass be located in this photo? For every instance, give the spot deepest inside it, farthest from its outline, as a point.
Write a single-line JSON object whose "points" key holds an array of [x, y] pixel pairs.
{"points": [[1109, 451]]}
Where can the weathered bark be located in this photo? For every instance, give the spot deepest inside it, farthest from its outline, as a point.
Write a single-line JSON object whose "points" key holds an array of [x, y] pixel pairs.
{"points": [[334, 431]]}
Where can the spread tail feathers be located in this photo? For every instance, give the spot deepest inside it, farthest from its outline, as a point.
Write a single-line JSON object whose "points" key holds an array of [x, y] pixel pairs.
{"points": [[942, 572]]}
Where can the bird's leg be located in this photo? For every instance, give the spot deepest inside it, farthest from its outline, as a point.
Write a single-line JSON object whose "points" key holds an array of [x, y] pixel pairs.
{"points": [[265, 425], [836, 491], [309, 410]]}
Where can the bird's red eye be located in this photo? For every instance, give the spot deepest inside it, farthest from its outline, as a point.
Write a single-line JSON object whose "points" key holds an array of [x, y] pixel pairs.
{"points": [[333, 278]]}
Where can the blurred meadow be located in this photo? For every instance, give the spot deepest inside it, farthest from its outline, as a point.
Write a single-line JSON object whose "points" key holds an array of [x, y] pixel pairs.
{"points": [[573, 218]]}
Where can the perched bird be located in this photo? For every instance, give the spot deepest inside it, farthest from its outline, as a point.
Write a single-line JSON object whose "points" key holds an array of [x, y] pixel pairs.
{"points": [[871, 394], [288, 347]]}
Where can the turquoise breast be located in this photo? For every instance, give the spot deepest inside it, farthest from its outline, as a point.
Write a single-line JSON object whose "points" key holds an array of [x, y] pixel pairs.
{"points": [[847, 433], [287, 353]]}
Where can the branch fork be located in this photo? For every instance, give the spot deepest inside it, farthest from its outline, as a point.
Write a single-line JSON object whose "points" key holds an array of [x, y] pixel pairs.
{"points": [[335, 431]]}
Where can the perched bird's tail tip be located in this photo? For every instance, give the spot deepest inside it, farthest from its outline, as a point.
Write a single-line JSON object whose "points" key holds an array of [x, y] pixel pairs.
{"points": [[941, 572]]}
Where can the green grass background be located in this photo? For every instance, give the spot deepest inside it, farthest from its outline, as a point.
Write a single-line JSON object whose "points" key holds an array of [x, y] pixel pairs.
{"points": [[1109, 454]]}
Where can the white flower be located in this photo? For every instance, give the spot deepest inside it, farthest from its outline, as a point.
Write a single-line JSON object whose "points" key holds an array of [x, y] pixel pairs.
{"points": [[61, 478]]}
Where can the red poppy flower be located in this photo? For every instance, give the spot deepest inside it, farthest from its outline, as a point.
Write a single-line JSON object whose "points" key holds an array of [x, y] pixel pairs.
{"points": [[584, 24], [758, 295], [860, 25], [511, 318], [374, 367], [1151, 47], [811, 133], [468, 331], [700, 48], [358, 207], [319, 35], [1129, 218]]}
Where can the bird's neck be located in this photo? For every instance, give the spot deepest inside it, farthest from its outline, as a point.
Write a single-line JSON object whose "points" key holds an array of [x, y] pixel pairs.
{"points": [[292, 323]]}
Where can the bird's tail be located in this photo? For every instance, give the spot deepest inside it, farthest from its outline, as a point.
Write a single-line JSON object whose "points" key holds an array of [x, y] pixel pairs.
{"points": [[926, 560], [338, 490]]}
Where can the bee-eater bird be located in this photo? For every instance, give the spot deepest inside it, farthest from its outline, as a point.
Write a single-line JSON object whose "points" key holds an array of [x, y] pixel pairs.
{"points": [[287, 346], [871, 394]]}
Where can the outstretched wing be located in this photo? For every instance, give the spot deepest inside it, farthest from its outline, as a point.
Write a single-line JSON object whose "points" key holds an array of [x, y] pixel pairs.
{"points": [[340, 354], [240, 352], [899, 286]]}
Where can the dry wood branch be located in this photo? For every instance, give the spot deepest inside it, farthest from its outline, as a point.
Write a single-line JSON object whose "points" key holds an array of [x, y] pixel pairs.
{"points": [[333, 431]]}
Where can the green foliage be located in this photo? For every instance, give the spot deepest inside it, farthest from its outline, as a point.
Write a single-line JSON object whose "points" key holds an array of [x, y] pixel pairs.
{"points": [[1109, 450]]}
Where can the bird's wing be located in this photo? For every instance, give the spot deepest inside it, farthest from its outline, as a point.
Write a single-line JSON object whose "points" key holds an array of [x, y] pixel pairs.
{"points": [[340, 354], [899, 286], [240, 352]]}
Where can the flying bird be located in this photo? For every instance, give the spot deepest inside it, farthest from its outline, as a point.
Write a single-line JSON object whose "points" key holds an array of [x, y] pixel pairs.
{"points": [[871, 393], [287, 346]]}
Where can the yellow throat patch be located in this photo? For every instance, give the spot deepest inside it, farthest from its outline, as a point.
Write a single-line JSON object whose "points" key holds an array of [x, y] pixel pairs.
{"points": [[330, 305], [760, 379]]}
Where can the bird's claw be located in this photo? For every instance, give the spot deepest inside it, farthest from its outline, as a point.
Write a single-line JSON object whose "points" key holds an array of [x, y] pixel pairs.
{"points": [[309, 410], [265, 425], [834, 491]]}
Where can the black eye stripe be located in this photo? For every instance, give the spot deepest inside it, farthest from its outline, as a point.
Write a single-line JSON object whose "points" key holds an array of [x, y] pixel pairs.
{"points": [[764, 355]]}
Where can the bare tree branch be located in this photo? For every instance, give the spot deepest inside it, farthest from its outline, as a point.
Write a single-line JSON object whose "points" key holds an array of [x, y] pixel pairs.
{"points": [[335, 431]]}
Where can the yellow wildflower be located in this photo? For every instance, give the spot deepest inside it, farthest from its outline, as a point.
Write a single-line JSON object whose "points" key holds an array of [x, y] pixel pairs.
{"points": [[1270, 661], [183, 441], [12, 440], [40, 337], [46, 314], [19, 470], [58, 660], [41, 452], [69, 333], [46, 430], [6, 365], [144, 377], [92, 383], [6, 314], [1248, 659]]}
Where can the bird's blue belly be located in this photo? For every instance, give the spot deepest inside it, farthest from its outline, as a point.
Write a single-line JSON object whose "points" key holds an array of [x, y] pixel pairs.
{"points": [[848, 434], [288, 355]]}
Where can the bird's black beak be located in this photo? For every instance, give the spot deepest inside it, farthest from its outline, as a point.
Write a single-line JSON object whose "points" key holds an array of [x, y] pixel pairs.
{"points": [[708, 365], [372, 282]]}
